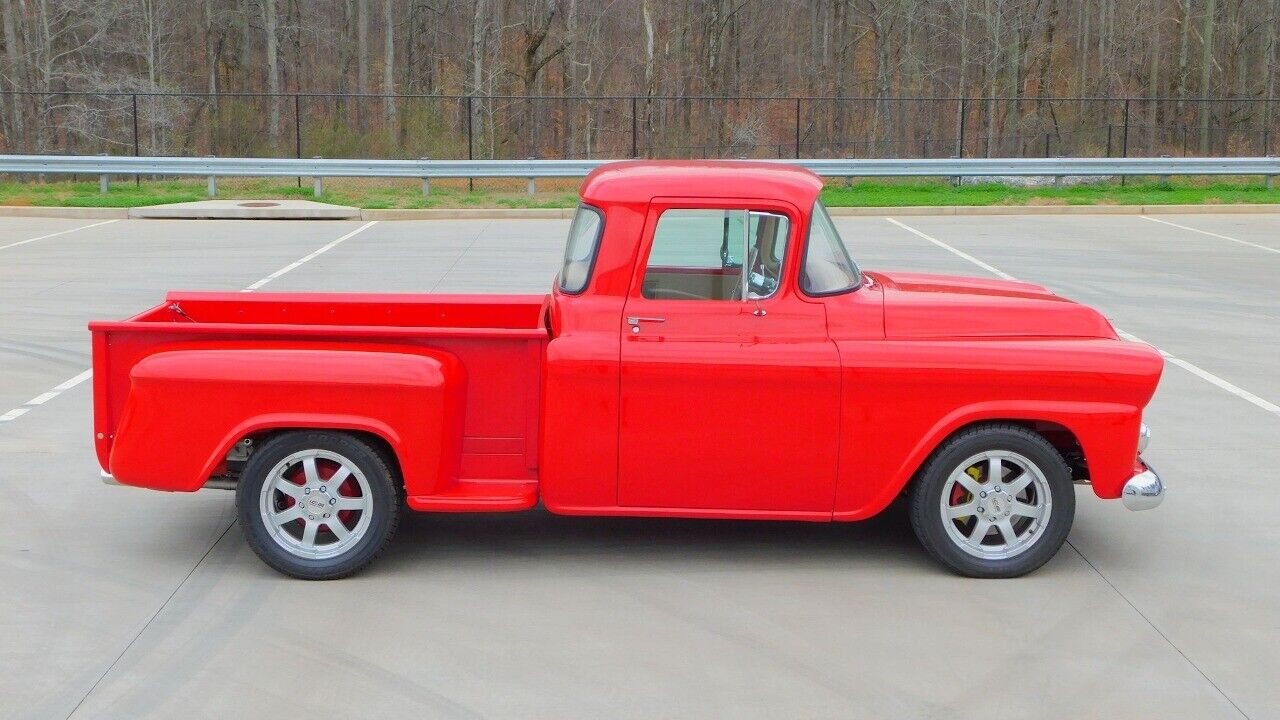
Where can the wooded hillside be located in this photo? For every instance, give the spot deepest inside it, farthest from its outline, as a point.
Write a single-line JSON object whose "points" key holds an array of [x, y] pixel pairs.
{"points": [[1014, 54]]}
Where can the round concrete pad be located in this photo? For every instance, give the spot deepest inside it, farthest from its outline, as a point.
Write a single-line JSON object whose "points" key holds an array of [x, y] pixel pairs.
{"points": [[248, 210]]}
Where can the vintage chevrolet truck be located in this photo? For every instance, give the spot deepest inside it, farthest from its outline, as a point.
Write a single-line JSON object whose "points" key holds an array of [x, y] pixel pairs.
{"points": [[709, 349]]}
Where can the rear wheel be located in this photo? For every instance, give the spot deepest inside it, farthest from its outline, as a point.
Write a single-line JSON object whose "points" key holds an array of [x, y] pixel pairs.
{"points": [[317, 505], [996, 501]]}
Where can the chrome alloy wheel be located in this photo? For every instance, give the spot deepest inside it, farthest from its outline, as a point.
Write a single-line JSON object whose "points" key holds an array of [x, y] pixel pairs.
{"points": [[996, 504], [316, 504]]}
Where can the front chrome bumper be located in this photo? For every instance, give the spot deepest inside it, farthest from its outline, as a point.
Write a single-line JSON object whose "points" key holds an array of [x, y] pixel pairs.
{"points": [[1144, 490]]}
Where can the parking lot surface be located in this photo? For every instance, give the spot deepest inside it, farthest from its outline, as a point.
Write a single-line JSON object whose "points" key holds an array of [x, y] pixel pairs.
{"points": [[121, 603]]}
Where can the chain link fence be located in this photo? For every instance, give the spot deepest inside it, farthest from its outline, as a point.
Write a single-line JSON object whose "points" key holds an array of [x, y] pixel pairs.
{"points": [[510, 127]]}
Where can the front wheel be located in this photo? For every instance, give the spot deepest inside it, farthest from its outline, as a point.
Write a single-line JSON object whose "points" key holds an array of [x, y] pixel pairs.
{"points": [[317, 505], [996, 501]]}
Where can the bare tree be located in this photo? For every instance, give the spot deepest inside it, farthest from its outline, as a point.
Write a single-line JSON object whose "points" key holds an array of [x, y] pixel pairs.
{"points": [[1206, 72], [273, 71], [388, 63]]}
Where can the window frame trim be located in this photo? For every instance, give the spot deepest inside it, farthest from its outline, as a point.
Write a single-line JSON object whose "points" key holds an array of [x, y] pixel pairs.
{"points": [[804, 256], [661, 206]]}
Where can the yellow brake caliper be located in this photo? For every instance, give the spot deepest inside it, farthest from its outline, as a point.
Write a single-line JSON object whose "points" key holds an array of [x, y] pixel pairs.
{"points": [[976, 473]]}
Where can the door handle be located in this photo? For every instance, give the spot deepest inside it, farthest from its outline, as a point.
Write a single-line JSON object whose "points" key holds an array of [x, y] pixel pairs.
{"points": [[636, 320]]}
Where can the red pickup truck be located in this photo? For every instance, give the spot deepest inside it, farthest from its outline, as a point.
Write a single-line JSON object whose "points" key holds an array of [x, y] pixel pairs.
{"points": [[709, 350]]}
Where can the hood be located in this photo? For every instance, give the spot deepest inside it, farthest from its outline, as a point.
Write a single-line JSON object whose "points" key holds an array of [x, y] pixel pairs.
{"points": [[918, 305]]}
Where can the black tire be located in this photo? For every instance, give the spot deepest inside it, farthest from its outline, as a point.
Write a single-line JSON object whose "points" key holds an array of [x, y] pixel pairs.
{"points": [[927, 491], [383, 504]]}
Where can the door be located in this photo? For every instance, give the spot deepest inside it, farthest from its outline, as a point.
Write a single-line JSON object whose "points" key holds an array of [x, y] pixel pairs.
{"points": [[730, 387]]}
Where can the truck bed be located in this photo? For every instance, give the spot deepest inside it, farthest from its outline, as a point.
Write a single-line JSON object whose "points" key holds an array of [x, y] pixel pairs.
{"points": [[498, 339]]}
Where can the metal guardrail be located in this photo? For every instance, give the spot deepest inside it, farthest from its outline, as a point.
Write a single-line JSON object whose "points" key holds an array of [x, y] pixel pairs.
{"points": [[427, 169]]}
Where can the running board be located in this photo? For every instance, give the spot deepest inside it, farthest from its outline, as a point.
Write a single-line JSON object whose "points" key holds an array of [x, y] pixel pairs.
{"points": [[472, 495]]}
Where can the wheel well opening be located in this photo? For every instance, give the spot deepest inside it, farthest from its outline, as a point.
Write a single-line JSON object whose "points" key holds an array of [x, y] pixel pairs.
{"points": [[245, 446], [1059, 436]]}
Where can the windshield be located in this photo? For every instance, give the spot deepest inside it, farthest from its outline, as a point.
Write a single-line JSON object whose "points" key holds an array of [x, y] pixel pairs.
{"points": [[828, 269], [580, 250]]}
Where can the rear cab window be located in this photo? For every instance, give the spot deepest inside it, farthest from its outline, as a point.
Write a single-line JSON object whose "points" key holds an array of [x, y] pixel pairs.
{"points": [[580, 250]]}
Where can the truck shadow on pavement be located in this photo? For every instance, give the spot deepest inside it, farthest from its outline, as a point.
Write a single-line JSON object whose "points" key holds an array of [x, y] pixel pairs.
{"points": [[538, 535]]}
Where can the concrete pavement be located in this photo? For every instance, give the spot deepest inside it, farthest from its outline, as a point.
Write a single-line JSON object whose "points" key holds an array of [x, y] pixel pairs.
{"points": [[123, 603]]}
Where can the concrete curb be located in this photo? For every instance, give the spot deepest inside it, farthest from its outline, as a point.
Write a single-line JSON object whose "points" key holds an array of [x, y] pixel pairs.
{"points": [[979, 210], [470, 214], [566, 213], [83, 213]]}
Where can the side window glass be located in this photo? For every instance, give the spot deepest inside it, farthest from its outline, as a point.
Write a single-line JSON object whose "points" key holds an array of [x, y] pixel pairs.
{"points": [[715, 255]]}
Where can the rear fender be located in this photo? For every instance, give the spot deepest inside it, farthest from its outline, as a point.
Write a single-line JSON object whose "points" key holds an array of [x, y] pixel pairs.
{"points": [[187, 408]]}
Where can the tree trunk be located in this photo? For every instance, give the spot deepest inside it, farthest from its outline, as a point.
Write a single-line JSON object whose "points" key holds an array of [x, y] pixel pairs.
{"points": [[210, 51], [648, 65], [1046, 53], [1180, 89], [1206, 72], [388, 65], [477, 66], [17, 129], [1273, 67], [1153, 87], [362, 63], [571, 79], [273, 73]]}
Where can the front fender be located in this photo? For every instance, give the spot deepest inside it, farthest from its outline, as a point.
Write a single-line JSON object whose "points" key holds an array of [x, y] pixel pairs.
{"points": [[1107, 432], [187, 408]]}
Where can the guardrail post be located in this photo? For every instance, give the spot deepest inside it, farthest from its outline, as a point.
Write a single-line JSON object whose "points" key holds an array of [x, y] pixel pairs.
{"points": [[1269, 178], [426, 181], [1057, 179], [532, 188], [1164, 179], [212, 188], [317, 182], [104, 180]]}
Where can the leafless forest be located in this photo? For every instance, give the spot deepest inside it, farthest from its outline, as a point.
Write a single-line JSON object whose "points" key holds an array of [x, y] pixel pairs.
{"points": [[574, 78]]}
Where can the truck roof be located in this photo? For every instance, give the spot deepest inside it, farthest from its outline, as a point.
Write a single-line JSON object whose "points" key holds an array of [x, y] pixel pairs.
{"points": [[632, 181]]}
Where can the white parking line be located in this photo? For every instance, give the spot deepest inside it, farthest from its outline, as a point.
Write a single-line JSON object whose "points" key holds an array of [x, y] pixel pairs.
{"points": [[989, 268], [45, 397], [66, 385], [55, 234], [1189, 367], [309, 258], [1211, 234]]}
